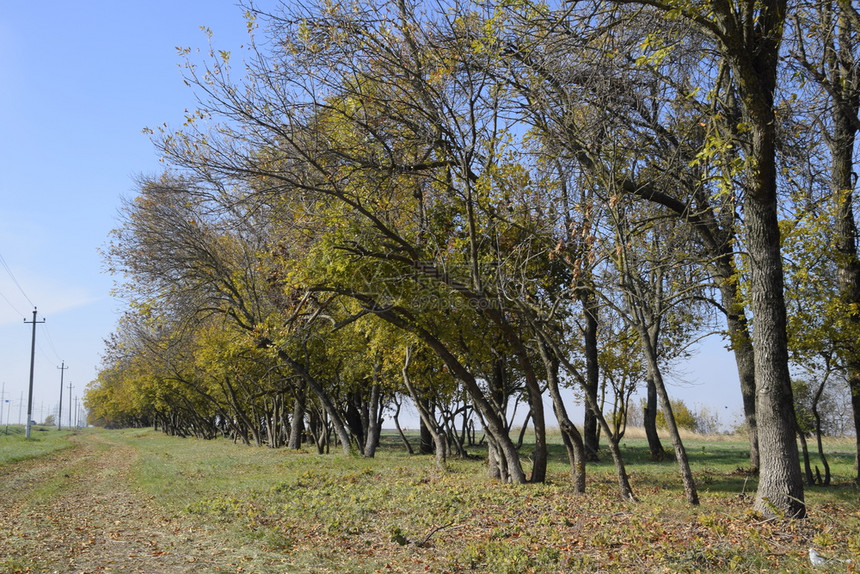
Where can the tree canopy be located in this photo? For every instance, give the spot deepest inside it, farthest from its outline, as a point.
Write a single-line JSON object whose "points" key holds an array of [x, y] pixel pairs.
{"points": [[472, 204]]}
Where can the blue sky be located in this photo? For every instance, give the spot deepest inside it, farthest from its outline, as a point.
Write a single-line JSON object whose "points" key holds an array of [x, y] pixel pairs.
{"points": [[78, 84]]}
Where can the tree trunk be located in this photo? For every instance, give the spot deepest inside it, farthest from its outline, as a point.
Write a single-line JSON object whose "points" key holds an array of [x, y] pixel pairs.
{"points": [[648, 337], [325, 400], [523, 429], [845, 110], [624, 487], [425, 444], [570, 436], [373, 426], [750, 40], [780, 488], [742, 349], [804, 449], [494, 426], [400, 432], [650, 422], [590, 430], [297, 429], [427, 419], [826, 481], [855, 402], [541, 453]]}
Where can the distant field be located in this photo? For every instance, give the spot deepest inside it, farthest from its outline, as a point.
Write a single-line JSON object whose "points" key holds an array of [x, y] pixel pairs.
{"points": [[248, 509]]}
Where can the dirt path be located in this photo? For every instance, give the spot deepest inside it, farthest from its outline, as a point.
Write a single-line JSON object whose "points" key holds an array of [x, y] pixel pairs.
{"points": [[75, 512]]}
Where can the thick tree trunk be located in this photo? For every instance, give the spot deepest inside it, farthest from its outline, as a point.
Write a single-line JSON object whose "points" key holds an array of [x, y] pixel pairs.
{"points": [[780, 488], [750, 40]]}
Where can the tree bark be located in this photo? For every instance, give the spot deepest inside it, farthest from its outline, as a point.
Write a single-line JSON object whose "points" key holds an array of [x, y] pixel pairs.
{"points": [[780, 488]]}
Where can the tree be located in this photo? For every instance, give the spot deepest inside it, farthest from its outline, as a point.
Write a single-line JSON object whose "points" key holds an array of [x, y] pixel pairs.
{"points": [[650, 107], [748, 36], [440, 439], [381, 136], [827, 51], [659, 292]]}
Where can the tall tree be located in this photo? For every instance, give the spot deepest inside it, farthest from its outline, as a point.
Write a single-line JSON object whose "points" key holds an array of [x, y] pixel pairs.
{"points": [[748, 35], [827, 49], [647, 104]]}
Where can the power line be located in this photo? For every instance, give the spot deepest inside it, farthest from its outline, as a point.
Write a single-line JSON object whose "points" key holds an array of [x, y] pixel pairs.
{"points": [[10, 304], [14, 280], [50, 343]]}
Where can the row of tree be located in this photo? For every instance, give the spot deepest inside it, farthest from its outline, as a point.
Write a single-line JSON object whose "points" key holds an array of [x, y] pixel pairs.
{"points": [[476, 205]]}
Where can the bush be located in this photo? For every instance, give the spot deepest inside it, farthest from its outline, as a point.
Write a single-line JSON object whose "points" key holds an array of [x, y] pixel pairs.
{"points": [[684, 417]]}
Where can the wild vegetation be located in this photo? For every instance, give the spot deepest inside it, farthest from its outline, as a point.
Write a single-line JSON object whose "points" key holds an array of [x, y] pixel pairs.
{"points": [[472, 206]]}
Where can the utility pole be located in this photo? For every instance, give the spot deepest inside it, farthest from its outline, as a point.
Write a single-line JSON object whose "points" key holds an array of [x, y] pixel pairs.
{"points": [[32, 366], [70, 404], [62, 368], [3, 394]]}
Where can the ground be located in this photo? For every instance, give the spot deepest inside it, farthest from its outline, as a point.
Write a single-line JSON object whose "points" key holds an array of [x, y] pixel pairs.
{"points": [[75, 512], [138, 501]]}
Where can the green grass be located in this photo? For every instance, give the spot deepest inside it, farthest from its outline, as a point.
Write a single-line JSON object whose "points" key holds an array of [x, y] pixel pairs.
{"points": [[398, 513], [304, 512], [14, 446]]}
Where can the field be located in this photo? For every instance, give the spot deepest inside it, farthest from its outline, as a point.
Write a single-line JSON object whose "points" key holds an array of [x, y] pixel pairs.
{"points": [[139, 501]]}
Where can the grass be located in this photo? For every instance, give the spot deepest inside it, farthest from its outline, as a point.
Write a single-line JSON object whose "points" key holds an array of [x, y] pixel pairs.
{"points": [[309, 513], [14, 446]]}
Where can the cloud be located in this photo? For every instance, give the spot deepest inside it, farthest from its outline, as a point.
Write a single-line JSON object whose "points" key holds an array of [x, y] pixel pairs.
{"points": [[48, 295]]}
